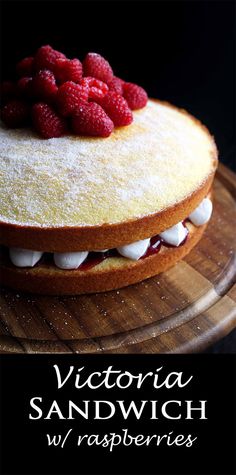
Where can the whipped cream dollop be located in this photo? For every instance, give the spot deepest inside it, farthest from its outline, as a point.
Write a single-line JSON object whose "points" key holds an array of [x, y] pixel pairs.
{"points": [[102, 250], [202, 213], [175, 235], [134, 251], [69, 260], [24, 257]]}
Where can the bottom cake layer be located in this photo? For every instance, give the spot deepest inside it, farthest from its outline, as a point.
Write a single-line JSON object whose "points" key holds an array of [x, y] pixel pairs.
{"points": [[112, 273]]}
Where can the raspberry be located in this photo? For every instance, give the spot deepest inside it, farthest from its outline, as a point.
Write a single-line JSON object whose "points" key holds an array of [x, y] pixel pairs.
{"points": [[68, 70], [117, 108], [116, 84], [24, 87], [25, 66], [8, 91], [96, 89], [44, 85], [96, 66], [91, 119], [46, 122], [15, 114], [46, 57], [70, 96], [135, 95]]}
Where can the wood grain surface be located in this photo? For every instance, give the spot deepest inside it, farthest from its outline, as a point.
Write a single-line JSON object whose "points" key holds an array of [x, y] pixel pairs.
{"points": [[182, 310]]}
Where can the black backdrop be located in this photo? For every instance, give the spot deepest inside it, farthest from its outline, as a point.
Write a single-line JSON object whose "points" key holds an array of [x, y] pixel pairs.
{"points": [[180, 51]]}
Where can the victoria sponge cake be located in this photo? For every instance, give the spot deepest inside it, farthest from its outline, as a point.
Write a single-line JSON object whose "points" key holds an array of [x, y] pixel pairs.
{"points": [[120, 196]]}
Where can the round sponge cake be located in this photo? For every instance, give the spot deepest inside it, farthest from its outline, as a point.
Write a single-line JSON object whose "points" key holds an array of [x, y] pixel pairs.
{"points": [[78, 193], [84, 194]]}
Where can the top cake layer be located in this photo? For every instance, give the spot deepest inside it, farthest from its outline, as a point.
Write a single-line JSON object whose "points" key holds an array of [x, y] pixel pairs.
{"points": [[153, 164]]}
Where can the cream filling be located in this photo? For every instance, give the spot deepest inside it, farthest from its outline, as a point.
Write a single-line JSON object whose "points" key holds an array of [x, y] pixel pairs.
{"points": [[174, 235], [69, 260], [24, 257], [202, 213], [134, 251]]}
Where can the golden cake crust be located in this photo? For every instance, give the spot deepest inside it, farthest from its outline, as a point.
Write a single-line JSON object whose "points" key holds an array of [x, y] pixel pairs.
{"points": [[112, 273], [117, 232], [107, 236]]}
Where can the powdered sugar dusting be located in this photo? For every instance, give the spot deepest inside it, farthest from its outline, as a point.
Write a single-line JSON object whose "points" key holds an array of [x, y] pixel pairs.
{"points": [[75, 181]]}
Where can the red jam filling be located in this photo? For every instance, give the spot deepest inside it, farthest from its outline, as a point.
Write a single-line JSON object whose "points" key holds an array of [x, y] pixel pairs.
{"points": [[95, 258]]}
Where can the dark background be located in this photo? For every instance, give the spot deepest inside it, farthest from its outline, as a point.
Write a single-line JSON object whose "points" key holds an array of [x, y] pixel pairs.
{"points": [[180, 51]]}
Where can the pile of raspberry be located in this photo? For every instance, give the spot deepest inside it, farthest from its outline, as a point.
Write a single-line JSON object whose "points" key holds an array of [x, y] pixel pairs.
{"points": [[57, 95]]}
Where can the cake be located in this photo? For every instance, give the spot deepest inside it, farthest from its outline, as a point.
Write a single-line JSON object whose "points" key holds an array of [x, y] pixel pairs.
{"points": [[82, 214]]}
